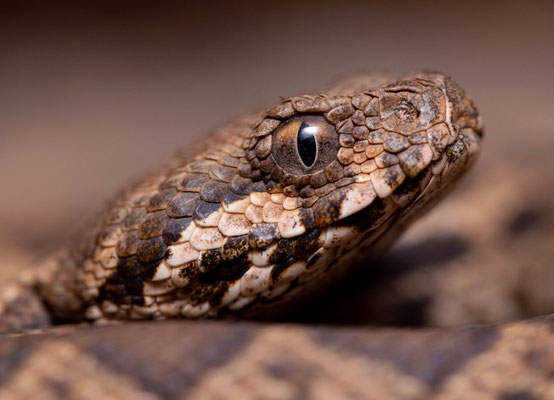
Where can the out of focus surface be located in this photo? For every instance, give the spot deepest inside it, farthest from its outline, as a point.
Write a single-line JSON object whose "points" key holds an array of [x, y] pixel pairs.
{"points": [[93, 95]]}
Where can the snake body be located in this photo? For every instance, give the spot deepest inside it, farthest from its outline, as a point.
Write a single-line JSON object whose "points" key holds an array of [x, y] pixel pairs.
{"points": [[270, 209]]}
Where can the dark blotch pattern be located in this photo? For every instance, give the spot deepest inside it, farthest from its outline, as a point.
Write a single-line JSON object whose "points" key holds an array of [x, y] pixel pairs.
{"points": [[518, 395]]}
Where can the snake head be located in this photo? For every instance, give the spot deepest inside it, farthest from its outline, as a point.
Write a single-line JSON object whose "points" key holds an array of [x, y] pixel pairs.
{"points": [[276, 203], [329, 157]]}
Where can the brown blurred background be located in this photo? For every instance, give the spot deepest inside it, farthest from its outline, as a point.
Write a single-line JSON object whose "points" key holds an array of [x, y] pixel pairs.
{"points": [[94, 93]]}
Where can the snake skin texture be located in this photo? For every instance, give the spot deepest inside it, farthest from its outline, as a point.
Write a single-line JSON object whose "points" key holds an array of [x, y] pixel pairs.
{"points": [[218, 360], [262, 215]]}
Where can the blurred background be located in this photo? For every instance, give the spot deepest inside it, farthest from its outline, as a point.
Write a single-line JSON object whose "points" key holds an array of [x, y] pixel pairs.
{"points": [[93, 94]]}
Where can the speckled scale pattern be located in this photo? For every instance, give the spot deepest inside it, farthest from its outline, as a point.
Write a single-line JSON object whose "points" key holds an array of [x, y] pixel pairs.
{"points": [[224, 228]]}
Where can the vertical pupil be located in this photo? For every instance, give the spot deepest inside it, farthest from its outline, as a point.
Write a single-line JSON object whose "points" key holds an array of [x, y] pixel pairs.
{"points": [[307, 147]]}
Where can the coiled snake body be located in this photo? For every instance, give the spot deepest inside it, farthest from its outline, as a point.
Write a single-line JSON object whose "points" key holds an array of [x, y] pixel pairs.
{"points": [[272, 208]]}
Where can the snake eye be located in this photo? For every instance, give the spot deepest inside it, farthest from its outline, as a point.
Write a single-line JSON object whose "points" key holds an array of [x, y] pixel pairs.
{"points": [[305, 144], [305, 141]]}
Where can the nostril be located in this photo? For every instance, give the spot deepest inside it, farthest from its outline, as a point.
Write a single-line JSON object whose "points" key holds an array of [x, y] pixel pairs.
{"points": [[479, 131]]}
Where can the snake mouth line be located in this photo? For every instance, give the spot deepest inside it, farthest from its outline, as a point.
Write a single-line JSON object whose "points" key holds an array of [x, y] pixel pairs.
{"points": [[410, 196]]}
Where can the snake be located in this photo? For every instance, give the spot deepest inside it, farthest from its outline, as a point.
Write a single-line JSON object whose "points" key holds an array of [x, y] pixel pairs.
{"points": [[236, 230]]}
